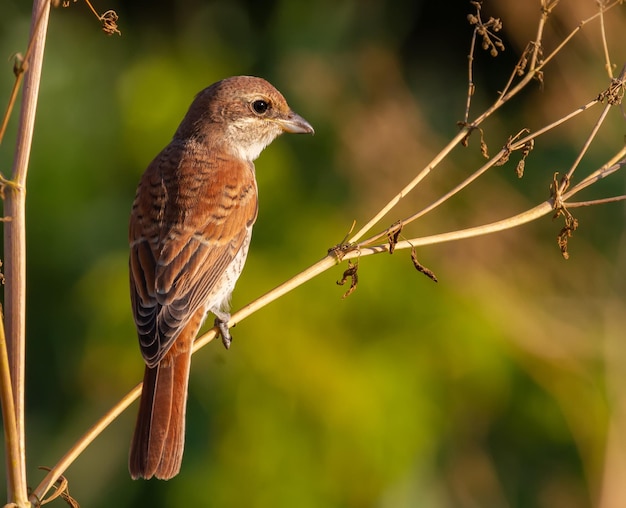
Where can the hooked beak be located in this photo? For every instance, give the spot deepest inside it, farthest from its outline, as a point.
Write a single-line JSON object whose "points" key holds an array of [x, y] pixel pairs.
{"points": [[295, 124]]}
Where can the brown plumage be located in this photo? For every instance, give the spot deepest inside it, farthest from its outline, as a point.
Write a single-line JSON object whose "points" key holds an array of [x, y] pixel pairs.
{"points": [[189, 234]]}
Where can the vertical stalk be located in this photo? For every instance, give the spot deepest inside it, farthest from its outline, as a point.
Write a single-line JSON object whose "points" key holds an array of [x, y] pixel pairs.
{"points": [[15, 247]]}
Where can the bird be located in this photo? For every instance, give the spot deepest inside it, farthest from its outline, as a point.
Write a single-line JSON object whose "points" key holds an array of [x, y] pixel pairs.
{"points": [[190, 228]]}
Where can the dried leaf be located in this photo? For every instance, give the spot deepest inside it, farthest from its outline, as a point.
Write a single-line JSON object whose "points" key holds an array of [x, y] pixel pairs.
{"points": [[350, 272], [421, 268], [571, 225], [392, 236], [557, 188]]}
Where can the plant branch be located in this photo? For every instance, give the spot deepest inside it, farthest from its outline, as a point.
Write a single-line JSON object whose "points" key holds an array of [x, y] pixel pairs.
{"points": [[15, 242], [593, 202], [536, 67], [568, 176], [510, 222], [411, 185], [512, 146], [617, 162], [605, 47], [505, 96], [538, 211], [11, 438], [470, 78], [580, 26]]}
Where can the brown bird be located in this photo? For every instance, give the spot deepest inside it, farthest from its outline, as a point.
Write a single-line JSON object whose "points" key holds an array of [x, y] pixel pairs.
{"points": [[190, 230]]}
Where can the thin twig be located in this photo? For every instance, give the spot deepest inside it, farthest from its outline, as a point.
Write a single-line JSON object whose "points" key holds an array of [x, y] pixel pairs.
{"points": [[11, 437], [12, 98], [545, 208], [515, 145], [470, 77], [616, 163], [95, 12], [568, 176], [541, 210], [580, 26], [593, 202], [609, 103], [607, 58], [507, 93], [534, 69], [411, 185]]}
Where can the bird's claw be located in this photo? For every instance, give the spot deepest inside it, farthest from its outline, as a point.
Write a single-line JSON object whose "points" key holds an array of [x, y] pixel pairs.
{"points": [[222, 325]]}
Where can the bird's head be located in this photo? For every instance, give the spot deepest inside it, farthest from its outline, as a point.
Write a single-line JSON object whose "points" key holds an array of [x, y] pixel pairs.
{"points": [[247, 113]]}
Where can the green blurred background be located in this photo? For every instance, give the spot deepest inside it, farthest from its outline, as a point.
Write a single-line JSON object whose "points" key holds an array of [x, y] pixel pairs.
{"points": [[501, 386]]}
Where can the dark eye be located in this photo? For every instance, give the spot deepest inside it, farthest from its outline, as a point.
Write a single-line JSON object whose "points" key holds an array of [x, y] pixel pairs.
{"points": [[260, 106]]}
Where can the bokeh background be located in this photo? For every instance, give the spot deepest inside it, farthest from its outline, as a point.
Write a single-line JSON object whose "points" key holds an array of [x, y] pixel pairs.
{"points": [[501, 386]]}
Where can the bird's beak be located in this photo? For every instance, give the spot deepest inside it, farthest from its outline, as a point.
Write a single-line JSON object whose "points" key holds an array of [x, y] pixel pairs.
{"points": [[295, 124]]}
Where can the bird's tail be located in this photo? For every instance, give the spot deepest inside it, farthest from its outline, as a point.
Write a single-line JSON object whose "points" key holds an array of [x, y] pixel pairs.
{"points": [[159, 438]]}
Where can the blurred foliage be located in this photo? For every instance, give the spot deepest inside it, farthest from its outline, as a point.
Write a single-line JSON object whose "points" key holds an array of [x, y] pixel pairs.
{"points": [[501, 386]]}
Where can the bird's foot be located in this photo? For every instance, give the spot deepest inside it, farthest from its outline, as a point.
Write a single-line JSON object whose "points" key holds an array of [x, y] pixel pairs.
{"points": [[222, 324]]}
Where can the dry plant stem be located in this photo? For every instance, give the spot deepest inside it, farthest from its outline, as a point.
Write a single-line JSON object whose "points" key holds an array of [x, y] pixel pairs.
{"points": [[11, 438], [607, 58], [514, 146], [616, 163], [95, 13], [411, 185], [545, 208], [593, 202], [439, 157], [583, 151], [534, 69], [592, 135], [470, 78], [46, 484], [578, 29], [15, 241], [546, 10], [12, 98], [523, 218], [504, 97], [439, 201], [313, 271], [507, 93]]}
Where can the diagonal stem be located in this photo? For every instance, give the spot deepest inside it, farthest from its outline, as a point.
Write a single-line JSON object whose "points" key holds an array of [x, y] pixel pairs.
{"points": [[411, 185]]}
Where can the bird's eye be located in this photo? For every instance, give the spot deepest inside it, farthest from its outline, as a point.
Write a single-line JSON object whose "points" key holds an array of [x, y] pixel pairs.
{"points": [[260, 106]]}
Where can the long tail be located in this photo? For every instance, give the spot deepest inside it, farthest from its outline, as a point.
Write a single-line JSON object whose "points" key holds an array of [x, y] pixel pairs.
{"points": [[159, 438]]}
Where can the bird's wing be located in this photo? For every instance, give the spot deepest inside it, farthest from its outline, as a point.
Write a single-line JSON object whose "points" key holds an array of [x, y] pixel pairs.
{"points": [[192, 214]]}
